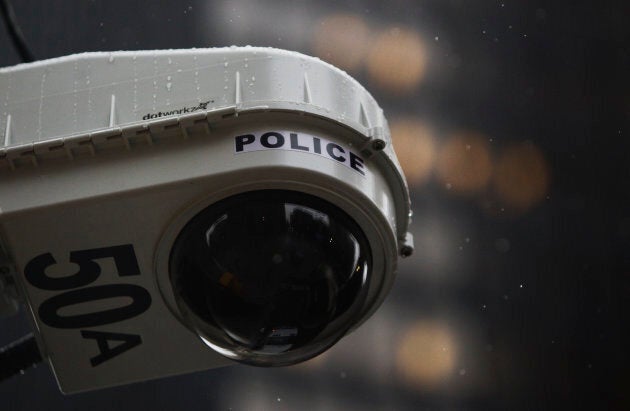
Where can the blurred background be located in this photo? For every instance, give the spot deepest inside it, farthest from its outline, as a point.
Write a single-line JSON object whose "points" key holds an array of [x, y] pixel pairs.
{"points": [[510, 119]]}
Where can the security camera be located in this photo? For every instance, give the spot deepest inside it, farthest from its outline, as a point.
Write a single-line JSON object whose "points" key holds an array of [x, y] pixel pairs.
{"points": [[163, 212]]}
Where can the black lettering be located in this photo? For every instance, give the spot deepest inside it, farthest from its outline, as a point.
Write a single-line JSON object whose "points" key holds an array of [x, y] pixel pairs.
{"points": [[35, 274], [240, 141], [146, 116], [124, 257], [106, 351], [48, 310], [89, 270], [331, 147], [317, 145], [295, 144], [264, 140], [356, 162]]}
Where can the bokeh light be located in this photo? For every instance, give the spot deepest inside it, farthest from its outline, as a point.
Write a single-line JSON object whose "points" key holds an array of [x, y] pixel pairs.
{"points": [[397, 60], [464, 163], [414, 144], [342, 40], [522, 176], [427, 354]]}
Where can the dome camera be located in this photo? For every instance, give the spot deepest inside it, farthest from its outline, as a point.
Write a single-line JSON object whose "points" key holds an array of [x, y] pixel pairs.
{"points": [[270, 277], [163, 212]]}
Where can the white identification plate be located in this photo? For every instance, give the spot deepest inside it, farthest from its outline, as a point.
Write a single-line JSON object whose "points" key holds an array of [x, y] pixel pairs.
{"points": [[294, 141]]}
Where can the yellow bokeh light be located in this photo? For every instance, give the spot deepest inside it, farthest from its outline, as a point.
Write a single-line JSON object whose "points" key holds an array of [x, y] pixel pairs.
{"points": [[464, 164], [415, 148], [342, 40], [426, 355], [522, 177], [397, 60]]}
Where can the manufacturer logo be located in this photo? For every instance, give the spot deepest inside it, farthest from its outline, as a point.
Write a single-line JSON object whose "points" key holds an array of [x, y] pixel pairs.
{"points": [[201, 106]]}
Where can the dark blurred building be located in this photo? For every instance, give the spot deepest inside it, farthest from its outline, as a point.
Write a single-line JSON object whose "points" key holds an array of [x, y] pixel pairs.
{"points": [[511, 122]]}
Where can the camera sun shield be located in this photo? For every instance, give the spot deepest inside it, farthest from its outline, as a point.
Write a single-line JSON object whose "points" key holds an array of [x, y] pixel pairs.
{"points": [[164, 229]]}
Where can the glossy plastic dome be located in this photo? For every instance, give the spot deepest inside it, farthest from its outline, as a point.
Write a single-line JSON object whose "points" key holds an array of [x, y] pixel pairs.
{"points": [[270, 277]]}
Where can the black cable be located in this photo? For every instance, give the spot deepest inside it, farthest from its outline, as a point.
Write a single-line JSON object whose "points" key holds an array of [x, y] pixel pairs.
{"points": [[18, 356], [14, 32]]}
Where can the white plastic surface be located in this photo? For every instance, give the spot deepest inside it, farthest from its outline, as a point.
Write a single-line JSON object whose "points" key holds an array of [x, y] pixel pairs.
{"points": [[72, 95], [106, 149], [80, 96]]}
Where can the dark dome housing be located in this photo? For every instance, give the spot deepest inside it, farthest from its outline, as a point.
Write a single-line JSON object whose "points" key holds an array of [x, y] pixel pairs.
{"points": [[271, 277]]}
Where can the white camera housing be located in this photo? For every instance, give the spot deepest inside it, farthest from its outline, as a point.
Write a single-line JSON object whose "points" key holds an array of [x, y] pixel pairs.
{"points": [[107, 156]]}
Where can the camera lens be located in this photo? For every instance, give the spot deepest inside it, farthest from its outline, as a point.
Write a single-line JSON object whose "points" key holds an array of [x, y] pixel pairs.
{"points": [[270, 277]]}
